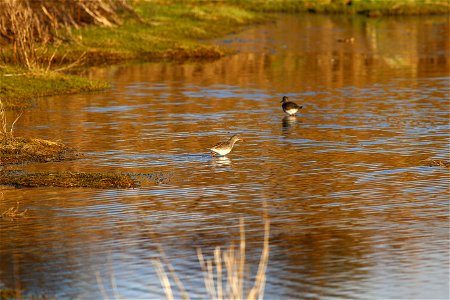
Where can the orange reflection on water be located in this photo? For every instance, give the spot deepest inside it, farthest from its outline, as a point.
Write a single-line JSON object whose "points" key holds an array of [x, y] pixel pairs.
{"points": [[353, 208]]}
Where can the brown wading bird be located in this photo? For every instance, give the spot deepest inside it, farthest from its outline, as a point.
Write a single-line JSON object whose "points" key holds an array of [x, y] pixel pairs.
{"points": [[224, 148], [289, 107]]}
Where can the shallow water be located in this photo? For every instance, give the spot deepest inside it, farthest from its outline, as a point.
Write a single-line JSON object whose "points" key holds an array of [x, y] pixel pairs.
{"points": [[354, 210]]}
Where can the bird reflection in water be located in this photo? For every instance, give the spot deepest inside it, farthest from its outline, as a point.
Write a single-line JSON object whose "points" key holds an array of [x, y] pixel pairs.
{"points": [[221, 161], [288, 122]]}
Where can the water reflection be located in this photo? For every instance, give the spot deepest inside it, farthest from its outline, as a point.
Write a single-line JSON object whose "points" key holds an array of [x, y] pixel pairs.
{"points": [[354, 212], [288, 122], [221, 161]]}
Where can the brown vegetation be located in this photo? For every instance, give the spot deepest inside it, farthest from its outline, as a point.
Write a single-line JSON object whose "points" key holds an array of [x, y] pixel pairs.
{"points": [[20, 150], [67, 179], [49, 22], [15, 150], [437, 163]]}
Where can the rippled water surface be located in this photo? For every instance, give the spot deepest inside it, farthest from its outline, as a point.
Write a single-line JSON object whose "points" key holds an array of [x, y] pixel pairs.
{"points": [[355, 211]]}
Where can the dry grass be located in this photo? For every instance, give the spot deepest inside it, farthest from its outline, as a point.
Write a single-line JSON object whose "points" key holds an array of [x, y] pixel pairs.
{"points": [[15, 150], [67, 179], [30, 26], [21, 150], [437, 163], [224, 275]]}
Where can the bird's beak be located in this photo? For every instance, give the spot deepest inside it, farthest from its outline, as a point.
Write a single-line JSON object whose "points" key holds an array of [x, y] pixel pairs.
{"points": [[241, 140]]}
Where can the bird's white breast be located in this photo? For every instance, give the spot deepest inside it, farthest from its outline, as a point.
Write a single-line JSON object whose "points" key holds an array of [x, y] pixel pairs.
{"points": [[292, 111], [221, 151]]}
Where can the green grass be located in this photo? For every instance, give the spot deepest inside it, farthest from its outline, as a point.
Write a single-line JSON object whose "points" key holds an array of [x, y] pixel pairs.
{"points": [[19, 87], [168, 32]]}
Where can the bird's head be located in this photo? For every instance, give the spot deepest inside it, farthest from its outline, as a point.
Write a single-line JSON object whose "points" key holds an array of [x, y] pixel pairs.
{"points": [[235, 138]]}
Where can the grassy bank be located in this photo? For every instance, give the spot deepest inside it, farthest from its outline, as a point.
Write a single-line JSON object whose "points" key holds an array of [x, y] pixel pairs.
{"points": [[165, 32], [159, 31], [156, 32], [372, 8]]}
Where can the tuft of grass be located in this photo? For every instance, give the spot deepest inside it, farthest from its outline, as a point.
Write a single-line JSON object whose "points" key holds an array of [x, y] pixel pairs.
{"points": [[225, 275], [437, 163], [15, 150], [67, 179], [20, 150]]}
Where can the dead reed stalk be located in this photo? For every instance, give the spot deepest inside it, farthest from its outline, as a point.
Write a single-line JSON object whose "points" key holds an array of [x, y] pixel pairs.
{"points": [[6, 130], [23, 29], [224, 275]]}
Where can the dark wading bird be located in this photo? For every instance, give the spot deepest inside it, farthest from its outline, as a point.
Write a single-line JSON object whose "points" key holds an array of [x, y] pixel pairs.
{"points": [[289, 107], [223, 148]]}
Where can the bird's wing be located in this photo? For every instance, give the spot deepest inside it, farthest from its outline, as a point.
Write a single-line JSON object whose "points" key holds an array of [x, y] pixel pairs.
{"points": [[291, 105], [218, 145]]}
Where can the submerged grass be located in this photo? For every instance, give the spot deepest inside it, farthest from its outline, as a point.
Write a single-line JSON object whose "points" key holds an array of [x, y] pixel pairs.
{"points": [[67, 179]]}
